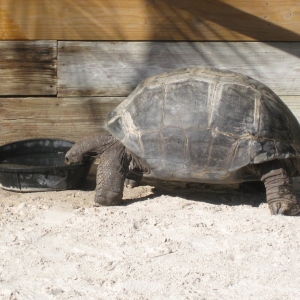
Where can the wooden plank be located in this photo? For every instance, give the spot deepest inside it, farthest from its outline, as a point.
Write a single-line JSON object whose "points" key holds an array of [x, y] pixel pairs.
{"points": [[115, 68], [70, 118], [28, 68], [201, 20]]}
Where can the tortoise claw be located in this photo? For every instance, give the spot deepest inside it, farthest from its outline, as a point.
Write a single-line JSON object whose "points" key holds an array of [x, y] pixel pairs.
{"points": [[274, 208], [131, 183]]}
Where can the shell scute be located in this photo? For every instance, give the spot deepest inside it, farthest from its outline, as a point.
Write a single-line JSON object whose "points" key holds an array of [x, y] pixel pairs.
{"points": [[198, 148], [221, 153], [189, 100], [151, 144], [173, 143], [242, 155], [240, 103], [285, 150], [274, 120], [262, 150], [146, 113]]}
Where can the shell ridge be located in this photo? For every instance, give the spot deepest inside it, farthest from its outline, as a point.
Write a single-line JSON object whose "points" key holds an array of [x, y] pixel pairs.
{"points": [[232, 155], [212, 104], [210, 151]]}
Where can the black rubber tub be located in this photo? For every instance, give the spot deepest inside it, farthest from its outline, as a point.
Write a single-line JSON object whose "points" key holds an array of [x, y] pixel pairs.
{"points": [[39, 165]]}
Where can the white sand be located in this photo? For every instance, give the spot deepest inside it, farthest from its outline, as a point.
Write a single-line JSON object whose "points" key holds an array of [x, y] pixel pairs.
{"points": [[176, 244]]}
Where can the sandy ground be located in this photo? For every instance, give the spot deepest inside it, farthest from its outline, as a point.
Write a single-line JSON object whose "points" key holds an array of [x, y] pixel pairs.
{"points": [[164, 242]]}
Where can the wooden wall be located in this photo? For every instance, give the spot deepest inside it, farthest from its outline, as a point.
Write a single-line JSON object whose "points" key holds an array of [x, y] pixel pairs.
{"points": [[65, 64]]}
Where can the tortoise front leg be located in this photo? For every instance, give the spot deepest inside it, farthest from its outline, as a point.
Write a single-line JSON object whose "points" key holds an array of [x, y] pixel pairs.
{"points": [[111, 173], [280, 192]]}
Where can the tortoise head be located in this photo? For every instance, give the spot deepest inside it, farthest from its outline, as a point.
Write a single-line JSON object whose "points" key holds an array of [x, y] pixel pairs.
{"points": [[73, 156]]}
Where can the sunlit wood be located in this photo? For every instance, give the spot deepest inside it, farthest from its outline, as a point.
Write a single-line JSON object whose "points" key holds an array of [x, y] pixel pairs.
{"points": [[201, 20]]}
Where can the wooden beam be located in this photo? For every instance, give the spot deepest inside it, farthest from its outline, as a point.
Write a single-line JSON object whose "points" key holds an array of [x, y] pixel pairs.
{"points": [[116, 68], [70, 118], [28, 68], [188, 20]]}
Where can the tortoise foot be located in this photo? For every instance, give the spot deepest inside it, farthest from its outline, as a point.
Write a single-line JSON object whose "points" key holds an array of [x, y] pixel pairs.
{"points": [[281, 196], [284, 208], [110, 198]]}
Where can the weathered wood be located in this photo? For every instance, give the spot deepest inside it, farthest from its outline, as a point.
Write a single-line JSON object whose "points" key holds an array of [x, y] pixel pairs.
{"points": [[200, 20], [70, 118], [28, 68], [115, 69]]}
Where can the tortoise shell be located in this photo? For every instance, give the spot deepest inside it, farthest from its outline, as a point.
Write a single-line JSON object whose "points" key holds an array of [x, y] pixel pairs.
{"points": [[205, 125]]}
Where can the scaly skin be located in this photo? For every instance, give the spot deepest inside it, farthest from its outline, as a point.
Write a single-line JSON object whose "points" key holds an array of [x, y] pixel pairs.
{"points": [[111, 173], [116, 162], [280, 192]]}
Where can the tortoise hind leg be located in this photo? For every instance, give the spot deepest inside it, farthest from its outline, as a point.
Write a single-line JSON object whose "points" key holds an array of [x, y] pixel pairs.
{"points": [[111, 173], [280, 192]]}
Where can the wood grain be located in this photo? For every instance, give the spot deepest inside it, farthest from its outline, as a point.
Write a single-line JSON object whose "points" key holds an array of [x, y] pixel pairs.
{"points": [[201, 20], [116, 68], [28, 68], [70, 118]]}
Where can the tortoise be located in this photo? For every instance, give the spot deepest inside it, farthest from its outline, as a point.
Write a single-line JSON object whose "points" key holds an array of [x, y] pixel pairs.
{"points": [[198, 125]]}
